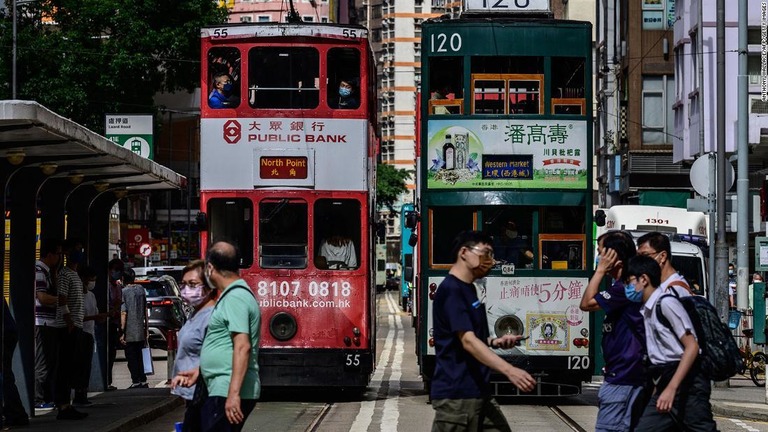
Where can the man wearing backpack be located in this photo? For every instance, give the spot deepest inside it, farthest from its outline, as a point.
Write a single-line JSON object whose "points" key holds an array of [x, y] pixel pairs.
{"points": [[656, 245], [680, 399], [623, 339]]}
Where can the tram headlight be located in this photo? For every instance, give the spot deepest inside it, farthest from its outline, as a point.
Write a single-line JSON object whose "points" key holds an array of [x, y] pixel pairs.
{"points": [[508, 324], [283, 326]]}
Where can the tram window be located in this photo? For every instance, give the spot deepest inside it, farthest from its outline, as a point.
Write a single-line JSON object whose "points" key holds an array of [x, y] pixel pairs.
{"points": [[568, 77], [231, 220], [512, 230], [562, 237], [283, 77], [445, 224], [343, 76], [283, 233], [337, 234], [223, 77], [507, 65], [446, 84]]}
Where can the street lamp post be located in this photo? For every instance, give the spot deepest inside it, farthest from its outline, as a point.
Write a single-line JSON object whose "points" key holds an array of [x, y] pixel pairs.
{"points": [[13, 50]]}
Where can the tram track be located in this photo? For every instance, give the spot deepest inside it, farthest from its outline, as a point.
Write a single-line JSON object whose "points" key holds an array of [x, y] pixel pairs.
{"points": [[565, 418], [315, 425]]}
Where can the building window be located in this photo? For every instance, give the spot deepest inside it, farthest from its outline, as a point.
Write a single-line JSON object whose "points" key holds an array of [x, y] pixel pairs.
{"points": [[658, 117], [246, 18], [307, 18], [324, 19], [265, 18]]}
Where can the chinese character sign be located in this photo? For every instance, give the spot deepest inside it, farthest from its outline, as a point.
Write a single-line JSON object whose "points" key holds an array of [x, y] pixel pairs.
{"points": [[133, 132], [533, 154]]}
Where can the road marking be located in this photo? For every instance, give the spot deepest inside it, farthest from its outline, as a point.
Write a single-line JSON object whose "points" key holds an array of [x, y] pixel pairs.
{"points": [[744, 425], [365, 415], [391, 413]]}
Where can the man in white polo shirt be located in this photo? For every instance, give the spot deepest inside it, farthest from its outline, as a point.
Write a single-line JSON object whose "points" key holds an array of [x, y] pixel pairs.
{"points": [[681, 392], [656, 245]]}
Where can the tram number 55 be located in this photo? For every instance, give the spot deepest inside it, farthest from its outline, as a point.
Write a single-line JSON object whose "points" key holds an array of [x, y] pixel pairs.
{"points": [[442, 42], [352, 360], [578, 363]]}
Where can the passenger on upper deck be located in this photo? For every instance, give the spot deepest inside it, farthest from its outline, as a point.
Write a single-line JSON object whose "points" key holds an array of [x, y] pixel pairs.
{"points": [[347, 98], [221, 95]]}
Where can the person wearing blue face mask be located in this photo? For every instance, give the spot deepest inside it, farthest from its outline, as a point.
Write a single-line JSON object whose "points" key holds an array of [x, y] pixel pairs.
{"points": [[620, 398], [221, 94], [347, 98], [681, 395]]}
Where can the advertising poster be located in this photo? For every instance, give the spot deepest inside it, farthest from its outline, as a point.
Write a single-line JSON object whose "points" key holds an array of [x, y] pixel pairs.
{"points": [[510, 154]]}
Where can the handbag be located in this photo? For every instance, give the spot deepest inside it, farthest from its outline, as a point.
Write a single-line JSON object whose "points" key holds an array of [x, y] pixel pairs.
{"points": [[149, 366]]}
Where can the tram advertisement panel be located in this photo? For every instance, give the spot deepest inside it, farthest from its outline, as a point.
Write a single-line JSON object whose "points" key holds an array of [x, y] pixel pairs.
{"points": [[507, 153], [546, 309]]}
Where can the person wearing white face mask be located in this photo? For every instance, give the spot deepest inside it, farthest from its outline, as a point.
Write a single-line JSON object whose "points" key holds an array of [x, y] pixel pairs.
{"points": [[92, 315], [198, 295]]}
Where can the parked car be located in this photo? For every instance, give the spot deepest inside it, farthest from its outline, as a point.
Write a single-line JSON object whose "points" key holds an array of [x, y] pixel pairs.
{"points": [[393, 283], [165, 308], [145, 272]]}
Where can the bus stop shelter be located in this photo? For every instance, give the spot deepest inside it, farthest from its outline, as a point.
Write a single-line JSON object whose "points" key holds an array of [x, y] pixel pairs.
{"points": [[69, 178]]}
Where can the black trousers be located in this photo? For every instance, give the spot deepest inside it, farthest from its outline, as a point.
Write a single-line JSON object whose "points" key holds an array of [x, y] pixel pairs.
{"points": [[135, 361], [66, 362], [46, 350], [214, 419], [691, 410], [84, 362], [113, 342]]}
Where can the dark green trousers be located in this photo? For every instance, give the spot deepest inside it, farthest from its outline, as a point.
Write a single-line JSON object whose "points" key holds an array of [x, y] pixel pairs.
{"points": [[468, 415]]}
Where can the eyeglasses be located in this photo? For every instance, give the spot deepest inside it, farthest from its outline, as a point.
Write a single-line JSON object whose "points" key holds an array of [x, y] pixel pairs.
{"points": [[186, 285], [650, 254], [483, 252]]}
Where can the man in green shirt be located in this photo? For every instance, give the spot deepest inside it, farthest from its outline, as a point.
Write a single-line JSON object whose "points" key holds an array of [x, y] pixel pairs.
{"points": [[228, 360]]}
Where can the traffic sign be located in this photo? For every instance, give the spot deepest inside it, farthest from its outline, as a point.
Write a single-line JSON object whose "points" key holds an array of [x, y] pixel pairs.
{"points": [[145, 249]]}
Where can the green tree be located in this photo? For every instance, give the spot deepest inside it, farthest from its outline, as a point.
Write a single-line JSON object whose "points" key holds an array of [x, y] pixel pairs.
{"points": [[85, 58], [390, 184]]}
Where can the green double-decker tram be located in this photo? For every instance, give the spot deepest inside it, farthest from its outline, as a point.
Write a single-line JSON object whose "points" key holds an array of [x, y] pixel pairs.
{"points": [[506, 147]]}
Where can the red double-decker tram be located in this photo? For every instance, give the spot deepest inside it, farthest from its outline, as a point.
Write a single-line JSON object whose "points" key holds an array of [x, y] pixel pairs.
{"points": [[287, 174]]}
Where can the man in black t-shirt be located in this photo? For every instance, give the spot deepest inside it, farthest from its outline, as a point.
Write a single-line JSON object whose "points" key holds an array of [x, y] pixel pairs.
{"points": [[461, 394]]}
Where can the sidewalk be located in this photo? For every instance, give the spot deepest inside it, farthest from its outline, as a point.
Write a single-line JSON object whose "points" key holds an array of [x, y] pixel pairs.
{"points": [[742, 400], [115, 411]]}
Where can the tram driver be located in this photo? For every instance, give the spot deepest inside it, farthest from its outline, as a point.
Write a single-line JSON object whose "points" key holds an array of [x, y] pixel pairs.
{"points": [[512, 248]]}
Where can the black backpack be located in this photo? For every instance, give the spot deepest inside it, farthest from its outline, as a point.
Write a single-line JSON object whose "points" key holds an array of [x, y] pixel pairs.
{"points": [[719, 354]]}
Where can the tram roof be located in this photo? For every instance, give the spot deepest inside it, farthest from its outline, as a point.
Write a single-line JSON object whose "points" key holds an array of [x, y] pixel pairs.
{"points": [[250, 30], [42, 136]]}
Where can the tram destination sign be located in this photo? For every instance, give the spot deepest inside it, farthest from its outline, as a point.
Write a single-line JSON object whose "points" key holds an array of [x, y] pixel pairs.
{"points": [[283, 167], [507, 6]]}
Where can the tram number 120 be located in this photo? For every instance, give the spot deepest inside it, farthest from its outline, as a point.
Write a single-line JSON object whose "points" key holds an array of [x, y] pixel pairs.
{"points": [[578, 362], [442, 42]]}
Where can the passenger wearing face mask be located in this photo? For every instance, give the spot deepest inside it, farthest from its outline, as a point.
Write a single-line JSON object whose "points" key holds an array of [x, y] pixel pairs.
{"points": [[681, 392], [201, 297], [513, 248], [221, 94], [656, 245], [463, 346], [92, 316], [347, 99], [731, 285], [620, 399]]}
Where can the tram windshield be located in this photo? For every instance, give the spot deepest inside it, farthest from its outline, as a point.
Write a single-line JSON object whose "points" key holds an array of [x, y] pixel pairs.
{"points": [[337, 234], [232, 221], [224, 77], [283, 233]]}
